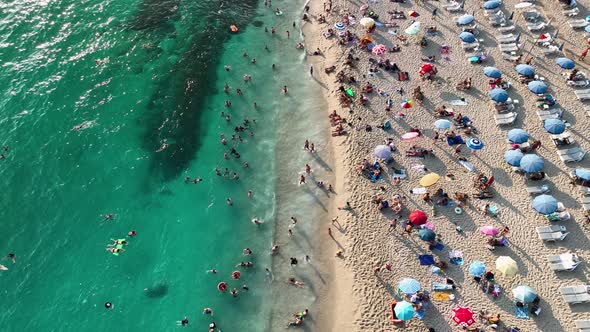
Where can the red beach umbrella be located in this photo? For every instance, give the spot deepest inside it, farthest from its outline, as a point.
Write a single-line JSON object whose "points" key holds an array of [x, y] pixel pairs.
{"points": [[413, 13], [418, 217], [426, 68], [463, 316]]}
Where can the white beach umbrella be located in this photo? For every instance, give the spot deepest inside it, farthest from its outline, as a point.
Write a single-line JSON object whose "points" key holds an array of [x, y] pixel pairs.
{"points": [[367, 22], [382, 151]]}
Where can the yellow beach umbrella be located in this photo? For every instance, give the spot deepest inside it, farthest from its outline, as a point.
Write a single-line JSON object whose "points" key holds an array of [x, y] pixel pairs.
{"points": [[506, 265], [429, 179], [367, 22]]}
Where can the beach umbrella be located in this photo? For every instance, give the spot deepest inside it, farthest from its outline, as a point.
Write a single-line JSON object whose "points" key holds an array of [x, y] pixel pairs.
{"points": [[554, 126], [442, 124], [426, 68], [531, 163], [409, 286], [545, 204], [429, 225], [465, 19], [413, 13], [463, 316], [418, 217], [474, 144], [513, 157], [339, 26], [492, 4], [379, 49], [413, 29], [477, 269], [410, 136], [404, 310], [518, 136], [506, 265], [524, 294], [565, 63], [582, 173], [499, 95], [525, 70], [429, 179], [537, 87], [367, 22], [382, 151], [587, 28], [426, 234], [492, 72], [489, 230], [407, 103], [467, 37]]}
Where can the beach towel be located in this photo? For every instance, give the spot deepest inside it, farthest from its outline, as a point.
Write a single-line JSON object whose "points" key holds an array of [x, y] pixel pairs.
{"points": [[399, 173], [521, 312], [467, 165], [426, 259], [419, 191], [455, 140], [456, 257], [441, 296], [378, 24], [437, 286], [439, 246], [392, 32], [459, 102], [402, 76]]}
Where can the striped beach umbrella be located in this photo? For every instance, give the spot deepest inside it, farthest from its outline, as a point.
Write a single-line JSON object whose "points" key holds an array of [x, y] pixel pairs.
{"points": [[474, 144]]}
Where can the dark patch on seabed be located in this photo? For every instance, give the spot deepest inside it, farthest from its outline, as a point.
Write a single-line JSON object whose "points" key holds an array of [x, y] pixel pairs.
{"points": [[176, 107]]}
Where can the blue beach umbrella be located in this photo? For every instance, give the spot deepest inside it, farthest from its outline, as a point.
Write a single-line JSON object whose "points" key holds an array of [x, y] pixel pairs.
{"points": [[565, 63], [474, 144], [467, 37], [513, 157], [545, 204], [531, 163], [518, 136], [525, 70], [339, 26], [537, 87], [554, 126], [465, 19], [583, 173], [442, 124], [492, 4], [499, 95], [492, 72], [404, 310], [409, 286], [524, 294], [587, 28], [426, 234], [477, 269]]}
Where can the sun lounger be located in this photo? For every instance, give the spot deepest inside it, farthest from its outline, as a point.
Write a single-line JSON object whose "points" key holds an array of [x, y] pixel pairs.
{"points": [[584, 190], [497, 21], [563, 152], [572, 158], [507, 39], [536, 26], [531, 15], [578, 83], [511, 58], [578, 24], [552, 237], [550, 50], [583, 94], [537, 190], [505, 119], [585, 200], [469, 46], [576, 298], [571, 12], [507, 48], [583, 325], [572, 290], [586, 207], [562, 136], [550, 229], [565, 257], [544, 115], [506, 29], [454, 7]]}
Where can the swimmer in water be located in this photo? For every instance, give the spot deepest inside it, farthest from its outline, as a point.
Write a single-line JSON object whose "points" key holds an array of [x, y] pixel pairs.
{"points": [[197, 180], [114, 250], [117, 242], [207, 311], [184, 321], [108, 305], [234, 292], [247, 251], [132, 233], [256, 221], [269, 275], [213, 271], [163, 147], [249, 193], [11, 256], [254, 60], [107, 217], [227, 68], [275, 248], [229, 201], [245, 55], [285, 89]]}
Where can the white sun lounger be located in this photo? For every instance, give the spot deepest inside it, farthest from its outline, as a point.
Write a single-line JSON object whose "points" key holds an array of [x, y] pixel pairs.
{"points": [[583, 94], [454, 7], [507, 39], [571, 12], [469, 46], [586, 207], [507, 48], [537, 190], [576, 298], [506, 29], [562, 136], [511, 58], [505, 119], [578, 24], [552, 237], [565, 257], [549, 50], [573, 157], [585, 200], [551, 229], [583, 325], [531, 15], [572, 290], [584, 190], [536, 26]]}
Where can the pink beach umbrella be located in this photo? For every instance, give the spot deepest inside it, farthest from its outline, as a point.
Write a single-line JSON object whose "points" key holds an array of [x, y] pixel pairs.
{"points": [[489, 230], [379, 49], [429, 225], [410, 136]]}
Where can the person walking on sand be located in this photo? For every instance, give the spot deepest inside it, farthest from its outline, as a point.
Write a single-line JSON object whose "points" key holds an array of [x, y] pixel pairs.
{"points": [[312, 148], [302, 179], [306, 145], [307, 169], [285, 90], [330, 232], [311, 70], [584, 53], [288, 34]]}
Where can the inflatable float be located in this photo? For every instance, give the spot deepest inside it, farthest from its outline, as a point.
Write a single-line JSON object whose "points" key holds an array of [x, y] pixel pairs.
{"points": [[233, 28], [235, 275], [392, 317], [222, 286]]}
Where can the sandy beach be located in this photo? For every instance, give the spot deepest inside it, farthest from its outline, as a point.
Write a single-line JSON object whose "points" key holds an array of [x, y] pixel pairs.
{"points": [[358, 298]]}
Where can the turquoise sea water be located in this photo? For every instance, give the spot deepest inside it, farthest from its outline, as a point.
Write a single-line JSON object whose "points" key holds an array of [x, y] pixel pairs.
{"points": [[158, 82]]}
